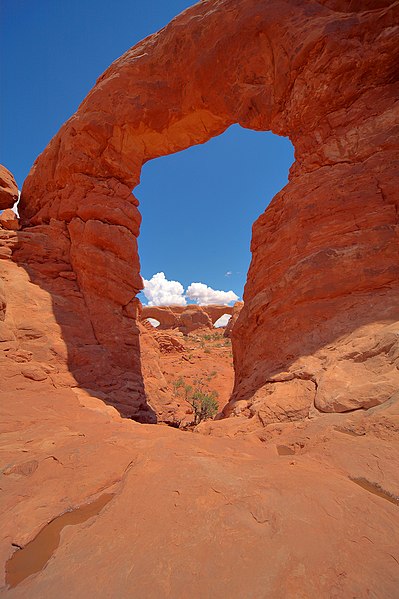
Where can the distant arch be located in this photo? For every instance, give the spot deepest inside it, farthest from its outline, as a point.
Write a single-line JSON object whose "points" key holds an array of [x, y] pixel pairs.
{"points": [[185, 318]]}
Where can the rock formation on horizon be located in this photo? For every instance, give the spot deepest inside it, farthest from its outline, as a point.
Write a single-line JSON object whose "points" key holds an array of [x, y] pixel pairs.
{"points": [[186, 318]]}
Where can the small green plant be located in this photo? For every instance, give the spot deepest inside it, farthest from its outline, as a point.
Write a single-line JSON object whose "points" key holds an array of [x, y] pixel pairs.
{"points": [[187, 391], [207, 350], [216, 336], [178, 383], [204, 404], [200, 397]]}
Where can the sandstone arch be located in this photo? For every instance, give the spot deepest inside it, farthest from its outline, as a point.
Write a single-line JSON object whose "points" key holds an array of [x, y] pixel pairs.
{"points": [[166, 316], [185, 318], [216, 312], [324, 260]]}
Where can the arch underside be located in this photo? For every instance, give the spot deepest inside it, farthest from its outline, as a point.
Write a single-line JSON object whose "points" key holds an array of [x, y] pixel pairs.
{"points": [[322, 288]]}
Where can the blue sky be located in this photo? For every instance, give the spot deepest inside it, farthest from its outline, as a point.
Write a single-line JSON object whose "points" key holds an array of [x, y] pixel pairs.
{"points": [[198, 206]]}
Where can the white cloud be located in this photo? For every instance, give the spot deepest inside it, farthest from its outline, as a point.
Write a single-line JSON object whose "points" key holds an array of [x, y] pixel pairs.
{"points": [[161, 292], [204, 295], [228, 273], [222, 321]]}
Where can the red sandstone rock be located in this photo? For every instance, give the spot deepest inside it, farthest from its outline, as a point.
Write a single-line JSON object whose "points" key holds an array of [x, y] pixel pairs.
{"points": [[234, 315], [169, 343], [325, 252], [9, 220], [3, 300], [8, 189], [303, 499], [278, 402], [192, 319], [185, 318], [312, 507]]}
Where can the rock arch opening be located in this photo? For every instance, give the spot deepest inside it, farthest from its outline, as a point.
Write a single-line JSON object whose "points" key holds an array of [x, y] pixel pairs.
{"points": [[154, 322], [324, 267], [222, 321], [198, 207]]}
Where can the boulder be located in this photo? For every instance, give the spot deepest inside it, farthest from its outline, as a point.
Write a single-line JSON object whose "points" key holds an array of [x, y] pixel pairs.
{"points": [[8, 189], [9, 220]]}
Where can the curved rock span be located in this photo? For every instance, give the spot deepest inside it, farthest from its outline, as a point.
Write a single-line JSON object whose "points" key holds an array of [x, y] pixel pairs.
{"points": [[186, 318], [321, 297]]}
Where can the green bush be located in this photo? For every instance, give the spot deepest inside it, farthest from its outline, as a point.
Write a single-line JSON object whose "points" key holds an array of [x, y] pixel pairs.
{"points": [[203, 401], [204, 404], [178, 383]]}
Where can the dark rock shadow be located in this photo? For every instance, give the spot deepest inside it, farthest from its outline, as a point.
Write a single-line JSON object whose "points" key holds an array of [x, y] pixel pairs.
{"points": [[109, 371]]}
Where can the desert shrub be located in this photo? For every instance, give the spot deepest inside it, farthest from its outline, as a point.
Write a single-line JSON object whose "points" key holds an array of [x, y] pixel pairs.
{"points": [[204, 404], [199, 396], [178, 383], [207, 350]]}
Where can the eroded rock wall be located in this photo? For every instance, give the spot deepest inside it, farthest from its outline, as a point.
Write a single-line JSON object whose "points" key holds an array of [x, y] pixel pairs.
{"points": [[324, 274], [185, 318], [62, 448], [8, 189]]}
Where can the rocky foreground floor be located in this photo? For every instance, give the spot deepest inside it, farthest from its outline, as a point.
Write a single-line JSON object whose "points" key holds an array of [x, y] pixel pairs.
{"points": [[305, 509]]}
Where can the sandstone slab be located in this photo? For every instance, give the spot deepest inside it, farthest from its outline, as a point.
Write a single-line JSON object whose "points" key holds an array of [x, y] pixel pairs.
{"points": [[9, 220]]}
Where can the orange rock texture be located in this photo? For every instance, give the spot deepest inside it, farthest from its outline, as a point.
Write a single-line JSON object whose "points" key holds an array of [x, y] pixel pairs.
{"points": [[297, 495], [9, 220], [234, 315], [8, 189], [309, 508], [186, 318], [322, 289]]}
